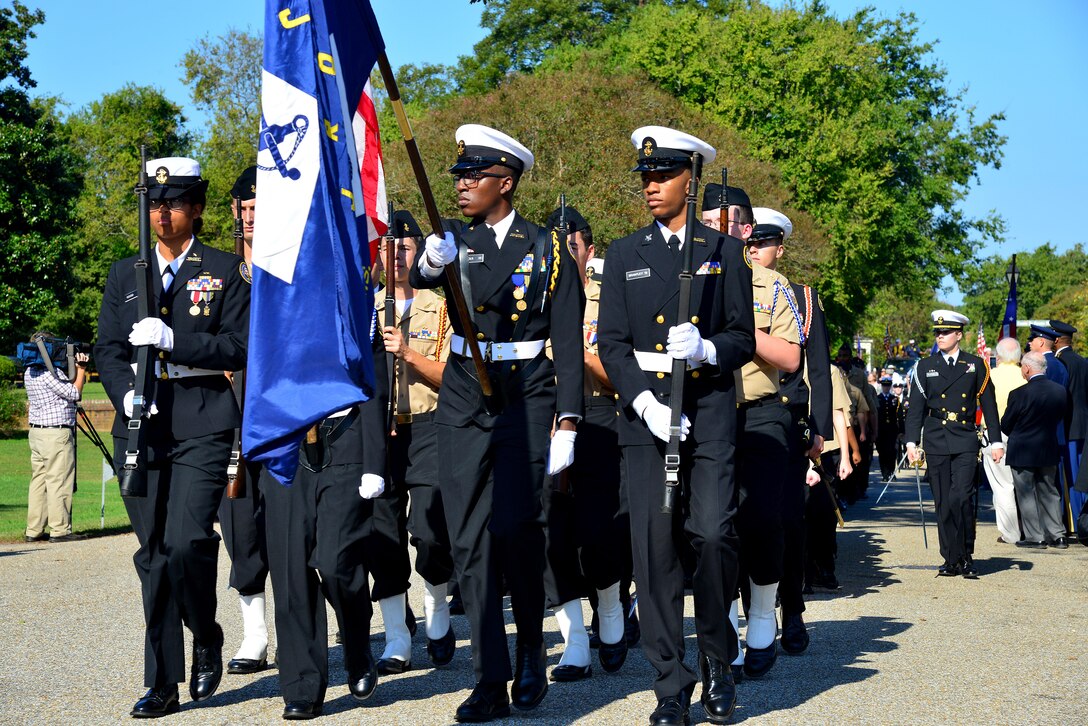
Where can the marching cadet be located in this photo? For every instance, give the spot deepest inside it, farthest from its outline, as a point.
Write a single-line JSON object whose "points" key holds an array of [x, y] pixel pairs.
{"points": [[807, 392], [242, 519], [522, 288], [420, 344], [820, 518], [588, 538], [321, 522], [946, 389], [199, 332], [639, 337], [889, 411]]}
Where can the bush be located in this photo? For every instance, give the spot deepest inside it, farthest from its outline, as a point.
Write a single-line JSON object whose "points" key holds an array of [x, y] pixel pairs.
{"points": [[9, 371], [12, 408]]}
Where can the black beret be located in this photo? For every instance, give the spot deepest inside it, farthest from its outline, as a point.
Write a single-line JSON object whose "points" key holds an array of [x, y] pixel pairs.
{"points": [[1062, 328], [245, 188], [712, 197], [404, 225], [573, 217]]}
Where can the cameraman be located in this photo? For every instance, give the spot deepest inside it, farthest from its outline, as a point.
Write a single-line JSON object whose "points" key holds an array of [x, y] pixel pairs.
{"points": [[51, 400]]}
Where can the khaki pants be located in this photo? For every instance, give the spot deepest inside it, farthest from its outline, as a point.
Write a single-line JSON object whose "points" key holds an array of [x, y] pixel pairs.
{"points": [[52, 481]]}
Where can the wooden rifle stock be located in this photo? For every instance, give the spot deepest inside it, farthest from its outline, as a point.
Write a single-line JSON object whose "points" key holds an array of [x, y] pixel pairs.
{"points": [[679, 366], [132, 477], [236, 470], [453, 281]]}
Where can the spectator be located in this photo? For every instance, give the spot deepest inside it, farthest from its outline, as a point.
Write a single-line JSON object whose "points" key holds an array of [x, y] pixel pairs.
{"points": [[51, 400], [1031, 416], [1005, 376]]}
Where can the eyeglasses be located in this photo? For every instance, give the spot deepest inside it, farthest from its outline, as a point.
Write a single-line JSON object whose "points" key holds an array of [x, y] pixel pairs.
{"points": [[174, 205], [471, 179]]}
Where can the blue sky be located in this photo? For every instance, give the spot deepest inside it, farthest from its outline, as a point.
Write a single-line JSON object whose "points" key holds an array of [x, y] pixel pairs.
{"points": [[1027, 60]]}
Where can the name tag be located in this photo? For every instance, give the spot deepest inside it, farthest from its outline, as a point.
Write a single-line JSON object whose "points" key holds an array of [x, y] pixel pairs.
{"points": [[932, 374], [129, 297], [475, 258], [638, 274]]}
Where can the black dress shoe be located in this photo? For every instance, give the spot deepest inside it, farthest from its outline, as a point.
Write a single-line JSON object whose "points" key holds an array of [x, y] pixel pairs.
{"points": [[457, 607], [157, 702], [757, 661], [36, 538], [530, 679], [794, 634], [612, 655], [1060, 543], [206, 672], [826, 581], [486, 702], [719, 697], [570, 673], [301, 710], [393, 666], [968, 569], [362, 685], [632, 631], [242, 666], [442, 650], [67, 537], [671, 711], [738, 672], [1027, 544], [949, 570]]}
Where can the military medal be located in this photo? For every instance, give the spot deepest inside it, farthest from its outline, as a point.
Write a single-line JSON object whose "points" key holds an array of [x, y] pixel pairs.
{"points": [[521, 304], [207, 297], [518, 293], [195, 296]]}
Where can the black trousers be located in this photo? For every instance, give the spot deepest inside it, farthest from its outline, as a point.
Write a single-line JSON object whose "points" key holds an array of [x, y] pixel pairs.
{"points": [[587, 538], [794, 501], [820, 521], [707, 523], [414, 464], [179, 548], [763, 467], [320, 526], [887, 448], [952, 478], [386, 548], [242, 522], [491, 484]]}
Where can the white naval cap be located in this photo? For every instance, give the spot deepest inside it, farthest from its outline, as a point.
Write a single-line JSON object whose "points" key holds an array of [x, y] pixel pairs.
{"points": [[175, 166], [663, 149], [771, 223], [174, 176], [479, 147], [948, 320]]}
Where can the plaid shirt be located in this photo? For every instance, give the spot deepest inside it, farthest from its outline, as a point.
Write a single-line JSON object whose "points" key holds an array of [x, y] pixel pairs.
{"points": [[52, 399]]}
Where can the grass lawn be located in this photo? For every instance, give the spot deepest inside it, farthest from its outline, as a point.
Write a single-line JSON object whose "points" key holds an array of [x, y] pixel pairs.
{"points": [[87, 503], [92, 391]]}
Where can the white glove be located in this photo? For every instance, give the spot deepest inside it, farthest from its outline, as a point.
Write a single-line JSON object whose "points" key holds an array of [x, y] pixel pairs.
{"points": [[657, 417], [128, 405], [561, 452], [441, 251], [685, 343], [370, 486], [152, 331]]}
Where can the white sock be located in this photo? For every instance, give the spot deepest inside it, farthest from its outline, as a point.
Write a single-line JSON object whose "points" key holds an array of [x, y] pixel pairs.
{"points": [[398, 641], [572, 625], [255, 632], [762, 625], [436, 610], [610, 614], [734, 618]]}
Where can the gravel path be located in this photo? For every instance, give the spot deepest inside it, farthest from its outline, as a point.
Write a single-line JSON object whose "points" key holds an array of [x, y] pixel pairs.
{"points": [[895, 644]]}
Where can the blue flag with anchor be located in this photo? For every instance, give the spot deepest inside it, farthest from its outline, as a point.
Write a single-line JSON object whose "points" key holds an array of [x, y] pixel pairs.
{"points": [[312, 309]]}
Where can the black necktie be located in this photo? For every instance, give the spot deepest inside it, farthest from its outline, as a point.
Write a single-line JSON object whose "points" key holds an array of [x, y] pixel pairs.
{"points": [[674, 244], [167, 278], [951, 362]]}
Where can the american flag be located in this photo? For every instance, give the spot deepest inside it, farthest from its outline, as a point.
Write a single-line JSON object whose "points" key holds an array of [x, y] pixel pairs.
{"points": [[887, 342], [981, 347], [368, 147]]}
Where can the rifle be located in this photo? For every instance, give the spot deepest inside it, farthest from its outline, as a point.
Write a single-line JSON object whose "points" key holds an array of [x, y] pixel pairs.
{"points": [[132, 477], [679, 367], [562, 483], [453, 281], [723, 204], [236, 470], [391, 316]]}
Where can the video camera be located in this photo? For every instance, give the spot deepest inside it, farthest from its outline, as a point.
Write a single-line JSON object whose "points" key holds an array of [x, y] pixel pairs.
{"points": [[61, 351]]}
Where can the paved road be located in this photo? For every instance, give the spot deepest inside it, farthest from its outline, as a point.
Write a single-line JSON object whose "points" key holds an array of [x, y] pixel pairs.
{"points": [[895, 644]]}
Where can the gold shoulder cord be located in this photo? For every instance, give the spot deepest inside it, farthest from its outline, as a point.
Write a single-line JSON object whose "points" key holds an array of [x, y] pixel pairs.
{"points": [[442, 314]]}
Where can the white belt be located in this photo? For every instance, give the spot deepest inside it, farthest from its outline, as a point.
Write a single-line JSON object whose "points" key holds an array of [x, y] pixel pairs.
{"points": [[175, 371], [522, 350], [659, 362], [341, 414]]}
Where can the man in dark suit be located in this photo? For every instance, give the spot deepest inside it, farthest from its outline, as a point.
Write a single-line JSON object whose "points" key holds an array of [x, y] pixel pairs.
{"points": [[639, 337], [523, 288], [199, 330], [1077, 420], [946, 390], [1032, 413], [888, 416]]}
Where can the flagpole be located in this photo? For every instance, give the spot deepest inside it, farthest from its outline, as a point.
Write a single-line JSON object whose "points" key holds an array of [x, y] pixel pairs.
{"points": [[453, 281]]}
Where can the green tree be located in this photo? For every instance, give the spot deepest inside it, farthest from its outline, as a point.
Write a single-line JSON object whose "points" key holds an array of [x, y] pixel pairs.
{"points": [[38, 181], [106, 135], [224, 76]]}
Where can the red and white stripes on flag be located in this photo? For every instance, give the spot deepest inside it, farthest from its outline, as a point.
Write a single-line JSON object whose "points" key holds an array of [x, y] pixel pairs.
{"points": [[981, 347], [368, 147]]}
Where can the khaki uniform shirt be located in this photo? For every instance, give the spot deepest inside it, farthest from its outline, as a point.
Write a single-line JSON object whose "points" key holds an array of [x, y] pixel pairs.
{"points": [[426, 328], [775, 311], [840, 401], [593, 387]]}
